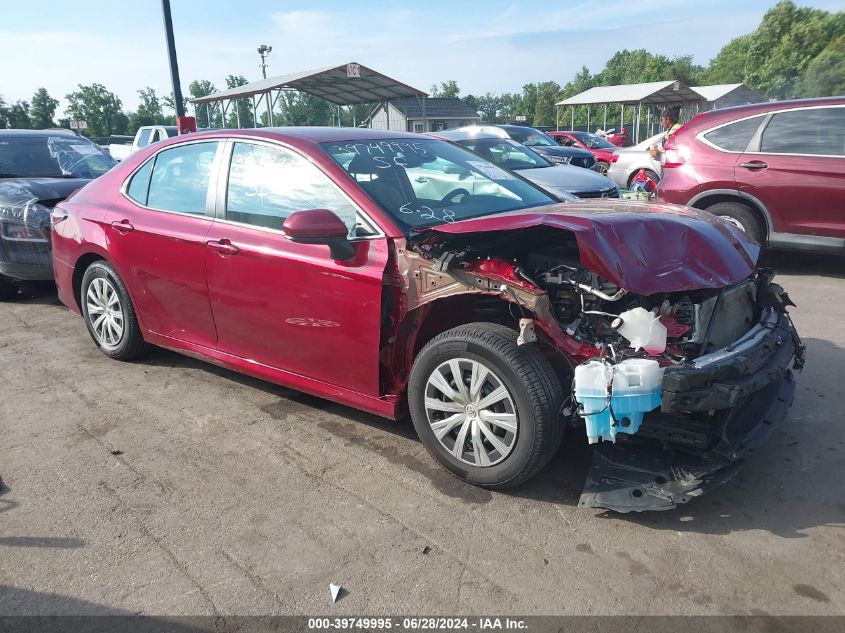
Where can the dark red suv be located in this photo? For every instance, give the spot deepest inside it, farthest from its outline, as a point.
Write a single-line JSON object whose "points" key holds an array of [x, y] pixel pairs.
{"points": [[776, 170]]}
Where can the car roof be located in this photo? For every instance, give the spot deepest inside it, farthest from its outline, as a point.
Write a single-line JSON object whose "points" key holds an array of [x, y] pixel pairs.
{"points": [[50, 132], [737, 112], [467, 133], [316, 134]]}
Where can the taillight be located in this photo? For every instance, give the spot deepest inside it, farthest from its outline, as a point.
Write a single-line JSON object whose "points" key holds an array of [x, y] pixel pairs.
{"points": [[614, 157], [671, 154]]}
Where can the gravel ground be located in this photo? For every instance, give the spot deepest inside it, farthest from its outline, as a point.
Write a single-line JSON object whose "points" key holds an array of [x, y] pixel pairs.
{"points": [[170, 486]]}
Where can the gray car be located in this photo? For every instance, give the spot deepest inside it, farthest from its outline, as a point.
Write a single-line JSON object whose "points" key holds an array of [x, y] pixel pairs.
{"points": [[563, 181], [628, 161]]}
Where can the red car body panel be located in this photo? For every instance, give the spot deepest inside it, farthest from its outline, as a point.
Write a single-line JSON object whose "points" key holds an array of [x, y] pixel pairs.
{"points": [[603, 155], [795, 195], [644, 248], [287, 313]]}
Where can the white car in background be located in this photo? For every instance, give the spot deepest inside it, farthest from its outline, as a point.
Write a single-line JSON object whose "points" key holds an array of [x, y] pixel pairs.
{"points": [[146, 135], [626, 162]]}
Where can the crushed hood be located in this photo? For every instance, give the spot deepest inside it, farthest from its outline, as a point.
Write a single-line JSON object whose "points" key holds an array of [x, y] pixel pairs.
{"points": [[644, 248]]}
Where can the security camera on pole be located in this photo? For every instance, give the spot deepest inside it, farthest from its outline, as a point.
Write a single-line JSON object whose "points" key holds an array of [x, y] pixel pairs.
{"points": [[264, 50]]}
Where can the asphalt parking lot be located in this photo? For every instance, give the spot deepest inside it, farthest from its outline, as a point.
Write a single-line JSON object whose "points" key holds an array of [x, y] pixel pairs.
{"points": [[170, 486]]}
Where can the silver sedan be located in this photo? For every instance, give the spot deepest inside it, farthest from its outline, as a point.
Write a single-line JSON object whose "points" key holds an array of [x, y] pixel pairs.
{"points": [[628, 161]]}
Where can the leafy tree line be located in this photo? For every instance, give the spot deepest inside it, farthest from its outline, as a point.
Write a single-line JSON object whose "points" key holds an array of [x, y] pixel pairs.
{"points": [[794, 52]]}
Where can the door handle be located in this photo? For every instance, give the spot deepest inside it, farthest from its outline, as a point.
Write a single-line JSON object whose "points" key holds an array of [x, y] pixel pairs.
{"points": [[755, 165], [421, 179], [224, 247], [122, 226]]}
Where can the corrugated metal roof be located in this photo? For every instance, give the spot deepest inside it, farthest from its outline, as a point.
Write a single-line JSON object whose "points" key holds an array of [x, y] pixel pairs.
{"points": [[331, 83], [712, 93], [656, 92], [435, 107]]}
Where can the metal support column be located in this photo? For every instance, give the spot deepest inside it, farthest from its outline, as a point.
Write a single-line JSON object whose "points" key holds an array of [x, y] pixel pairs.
{"points": [[622, 118], [254, 113], [572, 112], [171, 55], [604, 125]]}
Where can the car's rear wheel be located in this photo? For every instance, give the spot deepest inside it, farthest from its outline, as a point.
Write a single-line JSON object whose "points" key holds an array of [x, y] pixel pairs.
{"points": [[741, 216], [485, 408], [108, 312], [602, 167], [8, 288]]}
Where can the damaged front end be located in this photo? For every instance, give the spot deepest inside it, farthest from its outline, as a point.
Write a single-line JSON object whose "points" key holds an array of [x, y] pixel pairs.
{"points": [[24, 234], [676, 379]]}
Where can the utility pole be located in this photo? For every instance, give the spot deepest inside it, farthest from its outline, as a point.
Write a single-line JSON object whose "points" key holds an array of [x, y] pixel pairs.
{"points": [[171, 54], [264, 50]]}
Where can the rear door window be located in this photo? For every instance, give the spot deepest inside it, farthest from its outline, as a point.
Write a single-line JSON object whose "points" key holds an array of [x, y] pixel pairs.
{"points": [[180, 177], [735, 137], [816, 131]]}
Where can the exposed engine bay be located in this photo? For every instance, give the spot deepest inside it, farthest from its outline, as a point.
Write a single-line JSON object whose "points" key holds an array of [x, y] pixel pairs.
{"points": [[690, 379]]}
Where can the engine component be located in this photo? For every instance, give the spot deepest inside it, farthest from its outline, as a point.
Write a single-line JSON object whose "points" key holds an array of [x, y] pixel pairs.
{"points": [[643, 329]]}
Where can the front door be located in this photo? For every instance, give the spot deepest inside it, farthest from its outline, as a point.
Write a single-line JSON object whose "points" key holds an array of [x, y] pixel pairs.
{"points": [[288, 305], [157, 234]]}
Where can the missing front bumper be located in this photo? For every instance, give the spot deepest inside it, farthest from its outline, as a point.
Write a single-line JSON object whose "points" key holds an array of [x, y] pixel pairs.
{"points": [[644, 474]]}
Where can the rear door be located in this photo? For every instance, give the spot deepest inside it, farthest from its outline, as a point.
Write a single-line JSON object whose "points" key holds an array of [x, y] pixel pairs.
{"points": [[288, 305], [795, 167], [156, 236]]}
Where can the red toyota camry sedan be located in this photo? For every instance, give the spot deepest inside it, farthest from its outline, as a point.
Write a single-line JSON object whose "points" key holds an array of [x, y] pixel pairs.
{"points": [[401, 274]]}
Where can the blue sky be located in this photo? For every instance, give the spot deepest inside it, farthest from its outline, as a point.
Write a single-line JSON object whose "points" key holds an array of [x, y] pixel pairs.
{"points": [[495, 45]]}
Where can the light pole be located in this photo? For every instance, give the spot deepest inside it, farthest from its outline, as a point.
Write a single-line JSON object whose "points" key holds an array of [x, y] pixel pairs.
{"points": [[171, 54], [264, 50]]}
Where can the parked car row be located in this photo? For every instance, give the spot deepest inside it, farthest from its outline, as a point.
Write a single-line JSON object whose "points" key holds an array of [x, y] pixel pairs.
{"points": [[394, 272], [397, 273]]}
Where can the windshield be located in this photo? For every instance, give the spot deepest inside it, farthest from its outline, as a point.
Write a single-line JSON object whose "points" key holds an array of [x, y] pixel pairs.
{"points": [[593, 141], [425, 182], [506, 153], [52, 157], [530, 137]]}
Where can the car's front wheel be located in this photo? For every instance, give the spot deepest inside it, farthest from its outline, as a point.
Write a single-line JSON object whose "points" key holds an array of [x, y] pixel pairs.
{"points": [[109, 314], [484, 407]]}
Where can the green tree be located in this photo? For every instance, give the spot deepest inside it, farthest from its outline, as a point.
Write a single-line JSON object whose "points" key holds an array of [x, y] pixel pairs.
{"points": [[99, 108], [446, 89], [148, 112], [488, 107], [776, 56], [729, 65], [19, 116], [242, 111], [471, 101], [4, 114], [43, 109], [299, 108], [207, 116], [825, 75], [544, 110]]}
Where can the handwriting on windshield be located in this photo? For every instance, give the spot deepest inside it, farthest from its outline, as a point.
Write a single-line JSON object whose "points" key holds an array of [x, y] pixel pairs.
{"points": [[386, 154], [427, 213]]}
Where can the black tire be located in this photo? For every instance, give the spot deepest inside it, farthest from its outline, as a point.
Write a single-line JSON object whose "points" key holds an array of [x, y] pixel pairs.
{"points": [[534, 388], [8, 288], [651, 175], [602, 167], [739, 214], [130, 343]]}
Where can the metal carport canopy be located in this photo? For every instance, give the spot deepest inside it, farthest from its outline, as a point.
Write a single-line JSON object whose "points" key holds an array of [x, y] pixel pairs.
{"points": [[655, 92], [333, 84]]}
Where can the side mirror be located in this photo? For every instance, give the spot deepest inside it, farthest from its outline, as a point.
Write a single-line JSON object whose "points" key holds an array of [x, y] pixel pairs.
{"points": [[320, 226]]}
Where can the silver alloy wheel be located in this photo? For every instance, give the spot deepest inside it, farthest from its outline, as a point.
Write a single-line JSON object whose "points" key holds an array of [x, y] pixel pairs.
{"points": [[105, 314], [734, 221], [471, 412]]}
